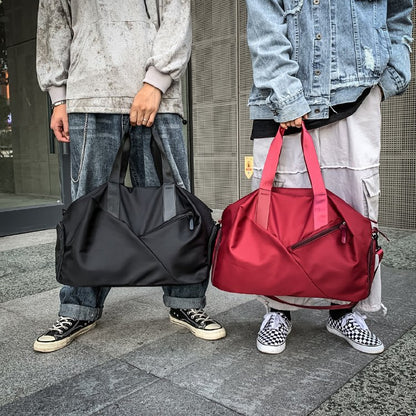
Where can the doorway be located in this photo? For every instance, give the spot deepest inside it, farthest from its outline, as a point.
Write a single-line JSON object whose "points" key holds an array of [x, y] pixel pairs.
{"points": [[32, 164]]}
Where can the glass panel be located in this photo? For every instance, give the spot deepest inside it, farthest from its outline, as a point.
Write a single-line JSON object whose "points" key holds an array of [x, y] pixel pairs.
{"points": [[29, 167]]}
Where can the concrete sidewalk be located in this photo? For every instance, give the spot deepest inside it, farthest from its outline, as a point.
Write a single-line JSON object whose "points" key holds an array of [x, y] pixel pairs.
{"points": [[136, 363]]}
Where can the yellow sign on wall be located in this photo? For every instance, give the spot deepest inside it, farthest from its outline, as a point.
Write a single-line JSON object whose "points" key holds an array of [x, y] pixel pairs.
{"points": [[248, 166]]}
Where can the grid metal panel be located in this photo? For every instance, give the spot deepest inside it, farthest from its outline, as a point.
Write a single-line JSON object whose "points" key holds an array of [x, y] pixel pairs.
{"points": [[214, 101], [222, 78], [398, 158], [398, 193], [245, 82]]}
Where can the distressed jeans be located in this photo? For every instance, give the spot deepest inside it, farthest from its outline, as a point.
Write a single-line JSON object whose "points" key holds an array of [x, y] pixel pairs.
{"points": [[95, 139]]}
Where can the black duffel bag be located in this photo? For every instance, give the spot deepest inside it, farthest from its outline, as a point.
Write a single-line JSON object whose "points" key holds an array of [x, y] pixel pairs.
{"points": [[121, 236]]}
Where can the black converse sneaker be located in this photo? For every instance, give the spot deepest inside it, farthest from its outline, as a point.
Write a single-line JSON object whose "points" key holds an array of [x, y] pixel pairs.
{"points": [[274, 330], [354, 330], [198, 322], [62, 333]]}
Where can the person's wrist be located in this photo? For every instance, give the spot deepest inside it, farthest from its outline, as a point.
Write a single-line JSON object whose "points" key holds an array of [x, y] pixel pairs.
{"points": [[58, 103]]}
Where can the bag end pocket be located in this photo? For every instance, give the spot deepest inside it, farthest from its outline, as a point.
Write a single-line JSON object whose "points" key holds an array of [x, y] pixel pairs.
{"points": [[59, 250]]}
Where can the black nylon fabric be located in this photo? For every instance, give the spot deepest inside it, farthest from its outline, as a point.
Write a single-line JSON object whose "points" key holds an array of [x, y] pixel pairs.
{"points": [[137, 247]]}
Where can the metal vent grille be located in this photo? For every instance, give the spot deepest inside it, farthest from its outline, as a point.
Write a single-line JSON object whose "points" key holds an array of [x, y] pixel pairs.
{"points": [[214, 102], [398, 157], [221, 82]]}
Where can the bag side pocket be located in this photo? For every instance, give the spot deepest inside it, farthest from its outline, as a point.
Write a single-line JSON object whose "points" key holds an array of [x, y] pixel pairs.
{"points": [[211, 242], [59, 250]]}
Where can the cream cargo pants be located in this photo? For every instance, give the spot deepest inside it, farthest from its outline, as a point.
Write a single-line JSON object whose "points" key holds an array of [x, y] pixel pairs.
{"points": [[349, 156]]}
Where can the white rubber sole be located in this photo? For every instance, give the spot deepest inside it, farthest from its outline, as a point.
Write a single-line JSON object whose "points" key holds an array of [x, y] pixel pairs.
{"points": [[57, 345], [362, 348], [212, 335], [267, 349]]}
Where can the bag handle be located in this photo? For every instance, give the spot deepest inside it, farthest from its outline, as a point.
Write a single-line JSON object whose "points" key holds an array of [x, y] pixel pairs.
{"points": [[119, 169], [320, 198]]}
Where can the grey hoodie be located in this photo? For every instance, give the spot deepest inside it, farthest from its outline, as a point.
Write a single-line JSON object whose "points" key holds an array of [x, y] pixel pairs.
{"points": [[96, 54]]}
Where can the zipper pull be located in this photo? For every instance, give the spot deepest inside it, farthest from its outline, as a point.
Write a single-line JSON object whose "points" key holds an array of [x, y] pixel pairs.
{"points": [[343, 229], [191, 223]]}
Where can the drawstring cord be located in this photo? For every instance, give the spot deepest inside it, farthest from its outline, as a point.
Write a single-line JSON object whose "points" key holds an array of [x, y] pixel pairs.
{"points": [[147, 10]]}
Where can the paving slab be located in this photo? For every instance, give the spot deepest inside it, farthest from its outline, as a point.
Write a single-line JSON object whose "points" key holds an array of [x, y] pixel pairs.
{"points": [[164, 398], [132, 316], [86, 393], [400, 249], [26, 271], [232, 372], [318, 372], [314, 366], [27, 239], [23, 371], [144, 320], [387, 386]]}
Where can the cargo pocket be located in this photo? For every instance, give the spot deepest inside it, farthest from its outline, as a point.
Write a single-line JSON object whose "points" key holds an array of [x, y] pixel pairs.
{"points": [[371, 191]]}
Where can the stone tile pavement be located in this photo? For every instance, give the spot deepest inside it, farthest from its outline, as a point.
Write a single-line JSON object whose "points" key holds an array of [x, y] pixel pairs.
{"points": [[136, 363]]}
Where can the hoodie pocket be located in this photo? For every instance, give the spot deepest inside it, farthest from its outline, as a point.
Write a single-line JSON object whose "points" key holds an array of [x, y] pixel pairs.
{"points": [[130, 11]]}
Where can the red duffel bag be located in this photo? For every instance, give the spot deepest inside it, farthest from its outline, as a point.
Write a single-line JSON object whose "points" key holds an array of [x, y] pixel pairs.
{"points": [[301, 242]]}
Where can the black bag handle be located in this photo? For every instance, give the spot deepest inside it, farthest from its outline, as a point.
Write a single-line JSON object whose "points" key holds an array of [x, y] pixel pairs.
{"points": [[162, 165], [119, 169], [159, 151]]}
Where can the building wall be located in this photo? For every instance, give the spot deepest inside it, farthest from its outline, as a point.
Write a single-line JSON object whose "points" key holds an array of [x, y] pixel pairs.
{"points": [[221, 81]]}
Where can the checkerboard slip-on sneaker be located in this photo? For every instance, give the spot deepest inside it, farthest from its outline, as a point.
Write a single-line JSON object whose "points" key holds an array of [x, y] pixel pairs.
{"points": [[274, 330], [354, 330], [62, 333], [198, 322]]}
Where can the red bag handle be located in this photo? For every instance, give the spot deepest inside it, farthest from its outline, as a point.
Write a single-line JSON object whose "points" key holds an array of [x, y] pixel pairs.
{"points": [[320, 198]]}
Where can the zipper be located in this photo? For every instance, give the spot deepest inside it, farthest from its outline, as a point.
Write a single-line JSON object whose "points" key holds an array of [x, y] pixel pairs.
{"points": [[341, 226], [174, 219], [191, 223], [372, 252]]}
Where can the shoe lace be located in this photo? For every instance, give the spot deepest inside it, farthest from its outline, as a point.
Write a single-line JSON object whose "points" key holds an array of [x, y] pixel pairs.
{"points": [[357, 318], [198, 315], [62, 324], [274, 320]]}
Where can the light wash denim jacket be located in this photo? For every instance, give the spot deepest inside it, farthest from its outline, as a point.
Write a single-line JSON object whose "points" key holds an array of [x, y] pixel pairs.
{"points": [[308, 55]]}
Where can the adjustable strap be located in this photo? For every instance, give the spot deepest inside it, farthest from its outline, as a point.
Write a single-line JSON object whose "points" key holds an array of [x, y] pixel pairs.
{"points": [[320, 198], [167, 173], [117, 176], [267, 179], [345, 306], [169, 201]]}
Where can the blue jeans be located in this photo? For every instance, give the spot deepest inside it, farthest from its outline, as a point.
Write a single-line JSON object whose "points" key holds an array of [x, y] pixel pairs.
{"points": [[95, 139]]}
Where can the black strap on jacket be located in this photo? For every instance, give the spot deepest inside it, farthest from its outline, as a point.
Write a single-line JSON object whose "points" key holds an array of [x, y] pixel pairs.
{"points": [[268, 128]]}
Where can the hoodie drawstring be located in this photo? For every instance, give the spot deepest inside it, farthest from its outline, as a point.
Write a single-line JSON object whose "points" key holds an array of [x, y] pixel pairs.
{"points": [[147, 10]]}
